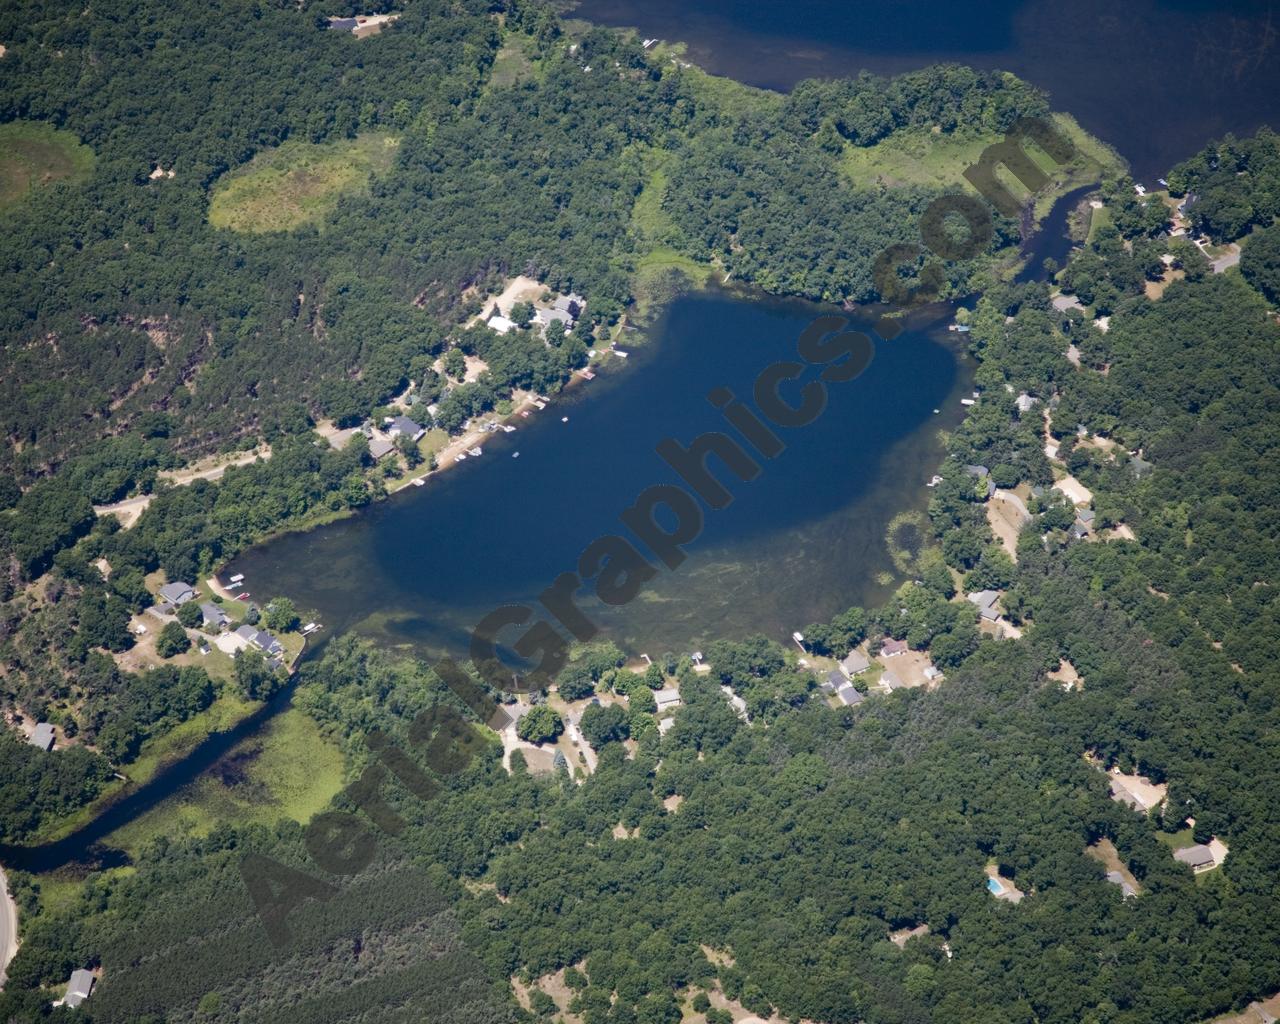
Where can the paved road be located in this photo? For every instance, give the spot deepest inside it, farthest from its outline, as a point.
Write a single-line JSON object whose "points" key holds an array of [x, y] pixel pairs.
{"points": [[8, 927]]}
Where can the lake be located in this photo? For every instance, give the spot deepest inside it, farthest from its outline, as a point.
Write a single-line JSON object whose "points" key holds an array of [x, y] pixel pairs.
{"points": [[1155, 78], [801, 542]]}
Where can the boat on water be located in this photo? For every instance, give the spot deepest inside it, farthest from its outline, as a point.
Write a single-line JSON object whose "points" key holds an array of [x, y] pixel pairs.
{"points": [[507, 428], [459, 458], [515, 455], [420, 482], [475, 452]]}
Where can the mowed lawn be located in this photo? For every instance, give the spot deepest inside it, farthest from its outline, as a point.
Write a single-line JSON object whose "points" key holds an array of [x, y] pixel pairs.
{"points": [[298, 183], [33, 154]]}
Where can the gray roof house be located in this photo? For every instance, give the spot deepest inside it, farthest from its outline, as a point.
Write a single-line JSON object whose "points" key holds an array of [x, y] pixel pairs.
{"points": [[832, 683], [246, 633], [380, 447], [43, 737], [668, 697], [343, 24], [402, 426], [79, 988], [1197, 858], [849, 696], [889, 680], [265, 642], [855, 661], [213, 615], [177, 593], [545, 317], [573, 304], [985, 602]]}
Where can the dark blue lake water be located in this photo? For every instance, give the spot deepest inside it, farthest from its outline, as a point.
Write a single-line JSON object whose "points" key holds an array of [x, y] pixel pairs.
{"points": [[802, 541], [1155, 78]]}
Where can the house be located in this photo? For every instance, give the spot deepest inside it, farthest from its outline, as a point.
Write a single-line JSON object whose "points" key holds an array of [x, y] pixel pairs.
{"points": [[890, 681], [402, 426], [266, 643], [832, 683], [1115, 878], [501, 324], [855, 661], [666, 698], [573, 304], [342, 24], [1198, 857], [664, 727], [985, 602], [932, 672], [1025, 403], [79, 988], [848, 696], [1137, 791], [380, 446], [214, 617], [43, 737], [894, 647], [177, 593], [544, 318]]}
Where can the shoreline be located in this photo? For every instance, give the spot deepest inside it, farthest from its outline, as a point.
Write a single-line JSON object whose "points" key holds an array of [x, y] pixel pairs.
{"points": [[8, 928]]}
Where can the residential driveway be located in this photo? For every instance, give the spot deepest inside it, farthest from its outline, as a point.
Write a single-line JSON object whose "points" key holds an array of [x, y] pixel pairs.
{"points": [[8, 927]]}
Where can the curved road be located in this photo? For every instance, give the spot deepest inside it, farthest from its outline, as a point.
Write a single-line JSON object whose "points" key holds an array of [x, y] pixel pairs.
{"points": [[8, 927]]}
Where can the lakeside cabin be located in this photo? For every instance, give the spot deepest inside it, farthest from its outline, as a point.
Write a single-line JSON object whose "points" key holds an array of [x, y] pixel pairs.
{"points": [[177, 593], [854, 663], [666, 698], [213, 616], [403, 426]]}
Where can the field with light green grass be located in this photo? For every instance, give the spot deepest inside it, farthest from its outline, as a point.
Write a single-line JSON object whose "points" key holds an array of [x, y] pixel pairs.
{"points": [[33, 154], [298, 183]]}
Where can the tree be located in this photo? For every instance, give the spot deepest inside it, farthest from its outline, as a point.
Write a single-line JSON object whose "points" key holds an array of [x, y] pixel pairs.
{"points": [[522, 313], [540, 725], [255, 677], [173, 640], [605, 723], [1260, 262], [455, 363], [189, 614], [575, 681], [280, 615]]}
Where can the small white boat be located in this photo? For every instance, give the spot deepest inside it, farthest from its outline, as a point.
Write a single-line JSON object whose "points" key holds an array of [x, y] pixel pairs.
{"points": [[420, 482], [475, 452], [968, 401], [620, 354], [507, 428], [459, 458], [238, 578], [564, 419], [515, 455]]}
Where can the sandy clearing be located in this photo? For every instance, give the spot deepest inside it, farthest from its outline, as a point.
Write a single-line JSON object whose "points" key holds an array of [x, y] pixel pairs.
{"points": [[213, 467], [1006, 514], [1105, 852], [1074, 490], [554, 986], [520, 289], [1149, 794], [1121, 531], [1067, 675], [909, 667], [903, 935], [128, 511], [672, 803]]}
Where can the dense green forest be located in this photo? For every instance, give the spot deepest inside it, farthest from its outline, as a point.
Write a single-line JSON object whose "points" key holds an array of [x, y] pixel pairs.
{"points": [[136, 336]]}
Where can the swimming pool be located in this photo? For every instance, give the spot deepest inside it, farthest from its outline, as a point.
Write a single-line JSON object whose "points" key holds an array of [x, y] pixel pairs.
{"points": [[995, 887]]}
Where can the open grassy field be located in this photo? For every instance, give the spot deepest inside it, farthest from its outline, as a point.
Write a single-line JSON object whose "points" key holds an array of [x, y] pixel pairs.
{"points": [[939, 161], [34, 154], [298, 183], [914, 158], [289, 770]]}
